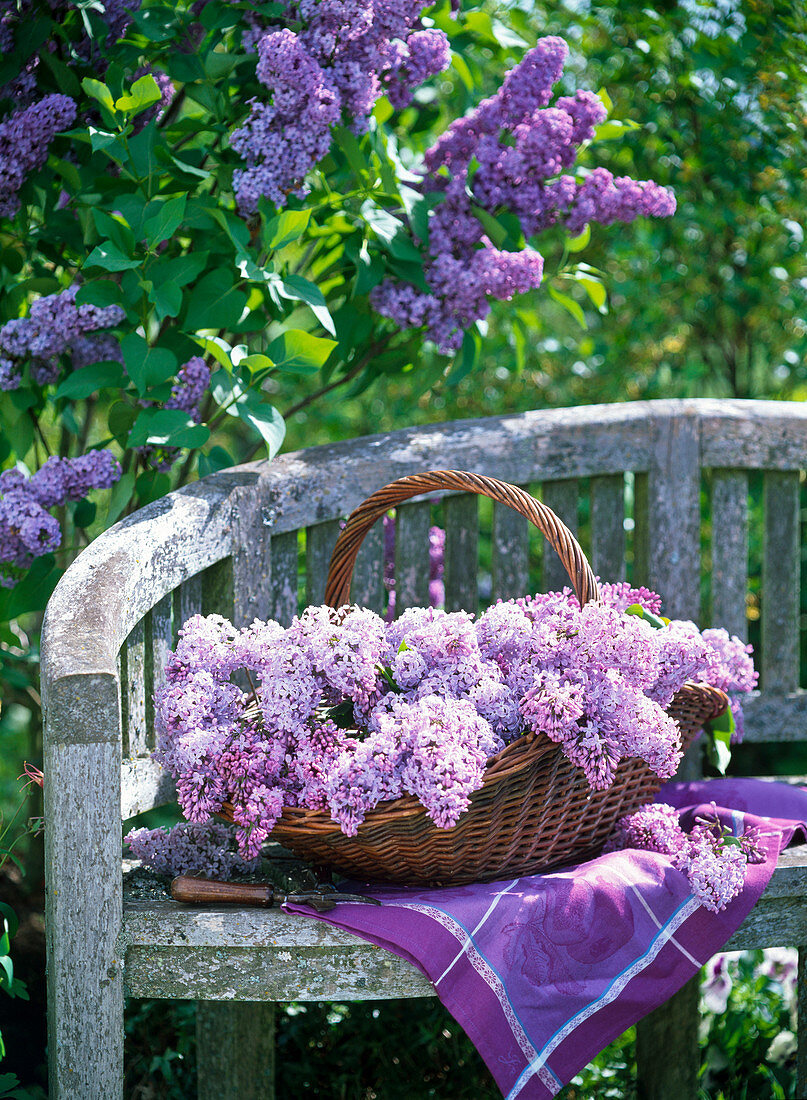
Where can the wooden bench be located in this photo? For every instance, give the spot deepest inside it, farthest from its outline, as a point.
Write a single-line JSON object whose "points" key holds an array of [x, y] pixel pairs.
{"points": [[255, 542]]}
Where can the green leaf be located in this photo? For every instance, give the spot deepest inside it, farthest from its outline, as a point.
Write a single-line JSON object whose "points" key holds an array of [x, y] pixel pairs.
{"points": [[84, 513], [88, 380], [120, 496], [468, 359], [147, 366], [570, 305], [99, 292], [167, 428], [142, 154], [299, 352], [162, 225], [120, 419], [608, 131], [7, 913], [33, 591], [578, 243], [494, 229], [110, 258], [595, 290], [144, 93], [256, 363], [115, 229], [219, 349], [158, 24], [285, 228], [655, 621], [167, 299], [299, 289], [99, 92], [267, 421], [216, 302], [217, 459], [180, 271]]}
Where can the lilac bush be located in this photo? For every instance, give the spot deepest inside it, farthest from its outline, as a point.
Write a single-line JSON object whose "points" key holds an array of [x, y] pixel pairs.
{"points": [[346, 711]]}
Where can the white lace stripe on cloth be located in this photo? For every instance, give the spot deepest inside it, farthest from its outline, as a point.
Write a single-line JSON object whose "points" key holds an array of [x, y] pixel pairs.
{"points": [[494, 983], [662, 937]]}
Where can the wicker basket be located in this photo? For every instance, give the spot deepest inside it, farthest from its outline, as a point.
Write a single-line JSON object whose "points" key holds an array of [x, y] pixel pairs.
{"points": [[535, 809]]}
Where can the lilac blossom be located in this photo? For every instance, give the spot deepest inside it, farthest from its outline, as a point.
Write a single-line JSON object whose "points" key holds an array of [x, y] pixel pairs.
{"points": [[25, 139], [509, 155], [345, 711], [27, 530], [711, 857], [343, 57], [190, 849], [55, 325]]}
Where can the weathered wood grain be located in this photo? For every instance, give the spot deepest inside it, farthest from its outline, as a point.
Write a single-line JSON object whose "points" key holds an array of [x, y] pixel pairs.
{"points": [[608, 527], [144, 785], [775, 716], [730, 550], [412, 523], [83, 905], [251, 557], [461, 519], [673, 517], [510, 553], [319, 543], [367, 588], [133, 685], [187, 602], [283, 602], [561, 497], [781, 571], [235, 1050], [667, 1048], [157, 653]]}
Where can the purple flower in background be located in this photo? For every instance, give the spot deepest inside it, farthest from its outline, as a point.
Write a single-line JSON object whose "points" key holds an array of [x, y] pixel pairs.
{"points": [[25, 139], [55, 325], [344, 56], [508, 156], [187, 394], [27, 530]]}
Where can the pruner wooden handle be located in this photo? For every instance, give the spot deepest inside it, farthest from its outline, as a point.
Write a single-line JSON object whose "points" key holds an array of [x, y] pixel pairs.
{"points": [[201, 891]]}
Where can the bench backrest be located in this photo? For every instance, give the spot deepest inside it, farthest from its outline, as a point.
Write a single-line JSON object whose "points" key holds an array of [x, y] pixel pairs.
{"points": [[658, 491]]}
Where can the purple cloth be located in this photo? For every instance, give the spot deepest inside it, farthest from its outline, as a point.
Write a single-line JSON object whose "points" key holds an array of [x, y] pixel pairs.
{"points": [[544, 971]]}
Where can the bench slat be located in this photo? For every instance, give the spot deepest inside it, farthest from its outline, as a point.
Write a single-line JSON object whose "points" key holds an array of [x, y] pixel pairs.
{"points": [[780, 582], [157, 656], [730, 550], [412, 523], [608, 527], [367, 588], [284, 569], [561, 497], [320, 540], [461, 518], [187, 602], [133, 691], [510, 554]]}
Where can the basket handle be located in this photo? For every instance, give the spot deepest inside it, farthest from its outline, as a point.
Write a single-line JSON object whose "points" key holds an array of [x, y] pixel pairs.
{"points": [[557, 534]]}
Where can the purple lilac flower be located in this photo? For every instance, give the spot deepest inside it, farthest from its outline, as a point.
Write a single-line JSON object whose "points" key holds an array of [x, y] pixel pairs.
{"points": [[190, 849], [25, 139], [344, 56], [519, 147], [187, 394], [731, 668], [349, 711], [54, 325], [714, 863], [27, 530]]}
